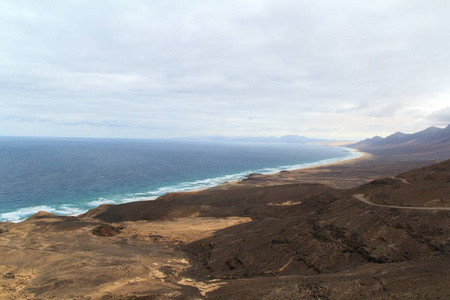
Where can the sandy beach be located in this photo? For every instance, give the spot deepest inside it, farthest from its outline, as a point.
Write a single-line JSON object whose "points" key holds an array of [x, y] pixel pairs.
{"points": [[211, 243], [190, 150], [341, 174]]}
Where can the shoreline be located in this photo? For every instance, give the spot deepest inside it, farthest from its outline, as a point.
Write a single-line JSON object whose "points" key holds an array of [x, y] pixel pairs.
{"points": [[22, 214], [223, 243], [351, 160]]}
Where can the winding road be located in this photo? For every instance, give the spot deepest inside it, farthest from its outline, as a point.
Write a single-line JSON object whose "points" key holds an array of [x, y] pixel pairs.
{"points": [[401, 179], [363, 199]]}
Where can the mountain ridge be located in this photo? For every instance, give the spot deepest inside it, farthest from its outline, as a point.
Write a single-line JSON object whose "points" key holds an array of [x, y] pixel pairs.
{"points": [[299, 139], [432, 142]]}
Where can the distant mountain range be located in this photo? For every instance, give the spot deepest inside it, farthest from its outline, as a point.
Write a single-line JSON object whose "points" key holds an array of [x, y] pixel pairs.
{"points": [[273, 139], [432, 142]]}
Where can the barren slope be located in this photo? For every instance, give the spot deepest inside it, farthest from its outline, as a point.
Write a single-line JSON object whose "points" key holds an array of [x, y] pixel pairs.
{"points": [[242, 241]]}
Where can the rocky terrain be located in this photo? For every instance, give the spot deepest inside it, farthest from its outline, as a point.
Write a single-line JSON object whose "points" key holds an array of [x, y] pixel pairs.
{"points": [[247, 240]]}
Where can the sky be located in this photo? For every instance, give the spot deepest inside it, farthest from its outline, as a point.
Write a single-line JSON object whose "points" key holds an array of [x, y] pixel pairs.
{"points": [[163, 69]]}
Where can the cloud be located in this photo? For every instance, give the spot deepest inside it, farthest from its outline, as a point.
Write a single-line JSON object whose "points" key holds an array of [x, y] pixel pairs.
{"points": [[441, 117], [183, 68]]}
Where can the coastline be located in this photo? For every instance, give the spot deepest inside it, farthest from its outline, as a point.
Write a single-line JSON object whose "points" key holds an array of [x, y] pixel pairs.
{"points": [[192, 186], [275, 176], [347, 172], [344, 174], [213, 242]]}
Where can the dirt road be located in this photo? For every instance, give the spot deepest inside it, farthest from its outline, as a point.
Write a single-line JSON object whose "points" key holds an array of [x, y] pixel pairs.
{"points": [[363, 199]]}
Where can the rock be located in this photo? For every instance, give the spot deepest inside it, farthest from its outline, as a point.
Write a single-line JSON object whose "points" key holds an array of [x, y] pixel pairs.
{"points": [[252, 176], [42, 215], [106, 230]]}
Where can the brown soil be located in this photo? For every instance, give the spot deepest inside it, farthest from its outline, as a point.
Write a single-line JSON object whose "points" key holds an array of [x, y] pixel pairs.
{"points": [[347, 174], [292, 235]]}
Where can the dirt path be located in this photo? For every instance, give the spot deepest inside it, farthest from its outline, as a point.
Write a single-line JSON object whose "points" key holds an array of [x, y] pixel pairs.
{"points": [[401, 179], [361, 198]]}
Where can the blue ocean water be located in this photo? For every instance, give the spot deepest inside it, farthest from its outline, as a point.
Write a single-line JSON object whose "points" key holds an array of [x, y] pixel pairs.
{"points": [[69, 176]]}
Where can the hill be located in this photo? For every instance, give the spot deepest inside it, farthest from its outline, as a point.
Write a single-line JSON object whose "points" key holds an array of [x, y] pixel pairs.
{"points": [[297, 139], [385, 239], [432, 143]]}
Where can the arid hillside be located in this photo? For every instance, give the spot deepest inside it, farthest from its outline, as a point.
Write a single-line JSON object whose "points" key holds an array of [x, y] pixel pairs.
{"points": [[431, 143], [386, 239]]}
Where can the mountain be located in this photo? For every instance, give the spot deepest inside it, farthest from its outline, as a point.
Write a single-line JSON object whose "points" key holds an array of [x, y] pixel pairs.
{"points": [[432, 142], [367, 142], [262, 139], [283, 139], [266, 139]]}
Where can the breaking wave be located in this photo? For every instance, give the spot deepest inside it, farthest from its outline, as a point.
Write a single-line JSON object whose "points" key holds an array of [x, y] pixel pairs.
{"points": [[72, 209]]}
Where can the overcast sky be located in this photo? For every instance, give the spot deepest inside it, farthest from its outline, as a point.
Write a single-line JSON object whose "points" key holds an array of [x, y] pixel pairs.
{"points": [[154, 69]]}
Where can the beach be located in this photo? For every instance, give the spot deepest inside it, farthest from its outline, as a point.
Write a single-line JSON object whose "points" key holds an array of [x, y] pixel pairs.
{"points": [[340, 174], [71, 176], [214, 242]]}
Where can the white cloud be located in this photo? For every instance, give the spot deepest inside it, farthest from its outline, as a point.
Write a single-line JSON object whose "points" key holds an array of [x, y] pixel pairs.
{"points": [[440, 117], [342, 69]]}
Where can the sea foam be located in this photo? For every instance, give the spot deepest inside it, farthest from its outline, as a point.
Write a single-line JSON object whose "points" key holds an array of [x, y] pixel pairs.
{"points": [[211, 182], [23, 213], [71, 209]]}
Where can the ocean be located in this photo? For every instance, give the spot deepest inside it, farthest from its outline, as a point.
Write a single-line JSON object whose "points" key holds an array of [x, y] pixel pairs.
{"points": [[69, 176]]}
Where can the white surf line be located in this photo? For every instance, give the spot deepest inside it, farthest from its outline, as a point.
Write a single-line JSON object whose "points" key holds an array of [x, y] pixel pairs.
{"points": [[363, 199]]}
